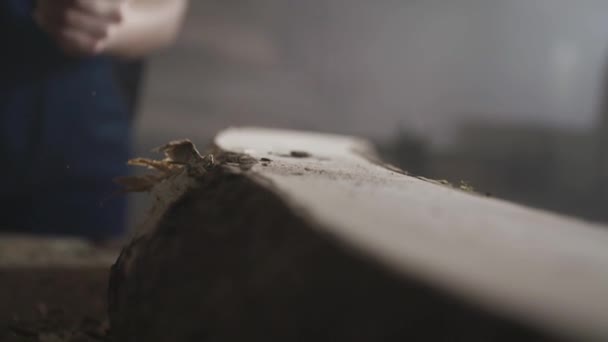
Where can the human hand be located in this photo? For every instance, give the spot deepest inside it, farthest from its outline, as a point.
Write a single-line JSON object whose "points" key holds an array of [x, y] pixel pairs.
{"points": [[80, 27]]}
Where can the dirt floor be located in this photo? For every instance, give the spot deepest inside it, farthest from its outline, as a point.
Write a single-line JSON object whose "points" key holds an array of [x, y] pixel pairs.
{"points": [[53, 305], [61, 299]]}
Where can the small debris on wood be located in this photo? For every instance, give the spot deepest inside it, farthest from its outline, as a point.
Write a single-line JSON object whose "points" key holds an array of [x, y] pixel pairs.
{"points": [[266, 160], [395, 169], [466, 186], [242, 161], [300, 154]]}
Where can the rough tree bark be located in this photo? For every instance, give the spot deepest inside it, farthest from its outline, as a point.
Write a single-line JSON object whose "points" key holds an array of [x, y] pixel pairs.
{"points": [[288, 236]]}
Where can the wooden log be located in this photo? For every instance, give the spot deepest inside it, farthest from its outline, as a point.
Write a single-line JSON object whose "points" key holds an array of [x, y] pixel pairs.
{"points": [[290, 236]]}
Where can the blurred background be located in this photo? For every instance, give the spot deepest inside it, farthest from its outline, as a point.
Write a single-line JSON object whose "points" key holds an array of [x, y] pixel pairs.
{"points": [[509, 96]]}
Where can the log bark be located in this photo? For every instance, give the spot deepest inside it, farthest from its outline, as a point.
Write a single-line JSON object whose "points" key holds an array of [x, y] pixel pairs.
{"points": [[293, 236]]}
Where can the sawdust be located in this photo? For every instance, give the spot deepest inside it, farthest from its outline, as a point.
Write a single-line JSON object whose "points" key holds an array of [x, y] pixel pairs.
{"points": [[300, 154]]}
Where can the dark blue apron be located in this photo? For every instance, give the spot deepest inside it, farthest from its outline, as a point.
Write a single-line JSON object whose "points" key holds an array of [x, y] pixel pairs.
{"points": [[64, 134]]}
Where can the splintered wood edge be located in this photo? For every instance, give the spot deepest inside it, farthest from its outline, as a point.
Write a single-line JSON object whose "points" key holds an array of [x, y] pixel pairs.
{"points": [[545, 269]]}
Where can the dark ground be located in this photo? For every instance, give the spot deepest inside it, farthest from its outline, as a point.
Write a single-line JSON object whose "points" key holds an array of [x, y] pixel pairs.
{"points": [[53, 304]]}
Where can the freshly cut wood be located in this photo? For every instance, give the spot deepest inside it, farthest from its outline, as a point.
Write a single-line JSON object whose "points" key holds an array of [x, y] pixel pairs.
{"points": [[282, 236]]}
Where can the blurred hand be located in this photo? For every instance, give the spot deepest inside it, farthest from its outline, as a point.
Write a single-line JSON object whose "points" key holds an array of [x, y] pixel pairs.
{"points": [[80, 27]]}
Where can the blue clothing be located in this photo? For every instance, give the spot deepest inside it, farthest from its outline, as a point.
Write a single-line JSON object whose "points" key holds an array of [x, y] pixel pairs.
{"points": [[64, 134]]}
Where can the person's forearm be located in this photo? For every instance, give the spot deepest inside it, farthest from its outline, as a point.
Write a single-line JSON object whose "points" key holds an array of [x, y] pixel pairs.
{"points": [[148, 25]]}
